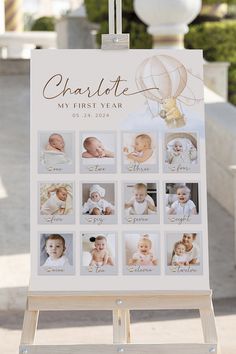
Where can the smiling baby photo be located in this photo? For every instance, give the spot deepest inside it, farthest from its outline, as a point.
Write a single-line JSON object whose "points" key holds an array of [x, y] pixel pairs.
{"points": [[99, 253]]}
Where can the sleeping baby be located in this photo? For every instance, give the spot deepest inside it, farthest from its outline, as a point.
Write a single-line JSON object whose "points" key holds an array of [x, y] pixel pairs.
{"points": [[54, 152]]}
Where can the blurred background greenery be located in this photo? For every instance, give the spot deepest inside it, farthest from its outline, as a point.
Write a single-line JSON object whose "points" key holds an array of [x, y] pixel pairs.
{"points": [[214, 31]]}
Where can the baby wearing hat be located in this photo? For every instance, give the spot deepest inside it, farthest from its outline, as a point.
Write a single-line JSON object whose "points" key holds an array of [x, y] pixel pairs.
{"points": [[96, 204]]}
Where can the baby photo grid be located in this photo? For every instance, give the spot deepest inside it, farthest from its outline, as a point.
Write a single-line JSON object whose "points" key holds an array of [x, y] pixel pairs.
{"points": [[118, 185]]}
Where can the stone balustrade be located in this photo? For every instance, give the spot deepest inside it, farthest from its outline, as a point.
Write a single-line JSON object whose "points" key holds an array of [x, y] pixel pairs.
{"points": [[19, 44]]}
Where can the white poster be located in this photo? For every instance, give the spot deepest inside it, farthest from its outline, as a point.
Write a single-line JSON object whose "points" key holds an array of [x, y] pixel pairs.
{"points": [[118, 177]]}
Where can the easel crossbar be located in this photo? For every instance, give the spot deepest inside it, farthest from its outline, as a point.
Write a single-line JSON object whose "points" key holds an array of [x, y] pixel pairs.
{"points": [[126, 348], [142, 302]]}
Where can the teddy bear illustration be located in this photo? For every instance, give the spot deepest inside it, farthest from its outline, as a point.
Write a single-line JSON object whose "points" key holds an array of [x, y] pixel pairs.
{"points": [[171, 113]]}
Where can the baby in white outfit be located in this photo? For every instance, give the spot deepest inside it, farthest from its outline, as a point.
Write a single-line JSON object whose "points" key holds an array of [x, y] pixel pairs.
{"points": [[96, 204], [56, 203], [141, 203], [55, 248], [179, 256], [54, 153], [183, 206], [178, 155]]}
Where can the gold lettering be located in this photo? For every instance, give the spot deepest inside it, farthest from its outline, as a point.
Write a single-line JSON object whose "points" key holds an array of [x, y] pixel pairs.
{"points": [[56, 86]]}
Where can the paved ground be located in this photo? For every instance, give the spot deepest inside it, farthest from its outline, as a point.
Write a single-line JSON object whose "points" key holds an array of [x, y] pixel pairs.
{"points": [[14, 252]]}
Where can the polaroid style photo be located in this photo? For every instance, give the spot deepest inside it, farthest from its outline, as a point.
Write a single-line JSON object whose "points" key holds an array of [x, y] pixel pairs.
{"points": [[181, 153], [183, 253], [56, 254], [56, 203], [98, 152], [141, 253], [99, 253], [139, 152], [140, 203], [182, 203], [98, 203], [56, 152]]}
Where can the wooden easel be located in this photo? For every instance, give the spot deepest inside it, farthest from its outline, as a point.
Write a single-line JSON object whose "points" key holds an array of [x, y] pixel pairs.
{"points": [[120, 303]]}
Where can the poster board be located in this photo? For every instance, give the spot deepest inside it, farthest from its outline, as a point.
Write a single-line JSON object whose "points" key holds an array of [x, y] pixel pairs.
{"points": [[118, 151]]}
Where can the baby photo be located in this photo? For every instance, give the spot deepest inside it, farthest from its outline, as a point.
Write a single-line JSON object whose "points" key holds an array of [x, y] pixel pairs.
{"points": [[141, 253], [56, 152], [98, 253], [140, 203], [182, 203], [184, 253], [181, 153], [98, 203], [56, 203], [139, 152], [98, 152], [56, 254]]}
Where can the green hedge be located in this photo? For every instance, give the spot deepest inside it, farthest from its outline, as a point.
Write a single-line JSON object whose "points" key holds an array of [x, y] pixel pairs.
{"points": [[45, 23], [217, 39], [212, 2]]}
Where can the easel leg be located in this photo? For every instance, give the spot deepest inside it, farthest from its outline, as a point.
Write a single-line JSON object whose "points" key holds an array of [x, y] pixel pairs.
{"points": [[29, 327], [127, 321], [208, 325], [121, 326]]}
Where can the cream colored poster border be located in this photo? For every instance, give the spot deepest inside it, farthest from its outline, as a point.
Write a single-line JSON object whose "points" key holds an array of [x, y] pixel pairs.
{"points": [[78, 91]]}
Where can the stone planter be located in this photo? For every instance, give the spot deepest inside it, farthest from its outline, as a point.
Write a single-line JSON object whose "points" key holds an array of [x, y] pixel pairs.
{"points": [[167, 20], [170, 16]]}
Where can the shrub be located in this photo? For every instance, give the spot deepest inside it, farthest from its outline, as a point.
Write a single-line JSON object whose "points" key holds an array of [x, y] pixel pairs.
{"points": [[45, 23], [217, 39], [213, 2]]}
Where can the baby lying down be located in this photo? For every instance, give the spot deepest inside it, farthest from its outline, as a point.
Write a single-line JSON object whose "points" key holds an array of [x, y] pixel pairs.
{"points": [[54, 153]]}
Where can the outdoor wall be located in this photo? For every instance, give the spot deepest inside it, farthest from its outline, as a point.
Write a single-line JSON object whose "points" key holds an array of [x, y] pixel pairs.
{"points": [[221, 149]]}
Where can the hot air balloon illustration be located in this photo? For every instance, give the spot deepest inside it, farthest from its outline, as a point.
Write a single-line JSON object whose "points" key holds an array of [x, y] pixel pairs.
{"points": [[162, 79]]}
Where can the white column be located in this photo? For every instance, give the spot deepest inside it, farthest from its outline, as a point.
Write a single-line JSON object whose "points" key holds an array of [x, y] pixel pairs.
{"points": [[45, 8], [74, 4], [2, 16], [167, 20]]}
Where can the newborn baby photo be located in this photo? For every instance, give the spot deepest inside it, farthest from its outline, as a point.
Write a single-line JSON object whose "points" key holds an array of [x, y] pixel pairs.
{"points": [[56, 203], [181, 153], [98, 204], [56, 152], [56, 254], [98, 152], [141, 253], [139, 152], [99, 253]]}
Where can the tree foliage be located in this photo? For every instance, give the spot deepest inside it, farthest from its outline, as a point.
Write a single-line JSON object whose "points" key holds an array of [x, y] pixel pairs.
{"points": [[217, 39], [214, 2], [45, 23], [219, 46]]}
